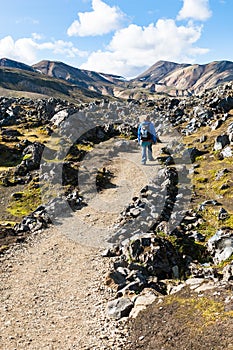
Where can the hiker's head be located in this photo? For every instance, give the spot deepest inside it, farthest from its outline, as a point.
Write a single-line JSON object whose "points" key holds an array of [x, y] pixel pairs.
{"points": [[145, 118]]}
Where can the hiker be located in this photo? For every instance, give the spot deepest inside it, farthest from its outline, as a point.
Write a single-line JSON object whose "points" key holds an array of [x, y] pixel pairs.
{"points": [[146, 137]]}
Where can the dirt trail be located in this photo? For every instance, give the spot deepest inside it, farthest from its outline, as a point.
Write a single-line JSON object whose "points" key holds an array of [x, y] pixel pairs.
{"points": [[52, 288]]}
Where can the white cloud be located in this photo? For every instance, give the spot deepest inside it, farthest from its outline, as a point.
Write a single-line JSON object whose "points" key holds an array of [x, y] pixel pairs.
{"points": [[195, 9], [135, 48], [26, 49], [63, 48], [22, 49], [102, 20], [36, 36]]}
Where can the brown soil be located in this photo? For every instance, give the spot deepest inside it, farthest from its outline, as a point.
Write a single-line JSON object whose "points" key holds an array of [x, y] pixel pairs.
{"points": [[176, 322]]}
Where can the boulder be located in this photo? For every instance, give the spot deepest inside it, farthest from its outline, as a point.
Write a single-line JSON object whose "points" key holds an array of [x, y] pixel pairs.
{"points": [[220, 245], [220, 142], [119, 308]]}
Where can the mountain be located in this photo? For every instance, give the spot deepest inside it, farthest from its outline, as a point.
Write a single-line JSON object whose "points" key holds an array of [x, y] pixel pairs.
{"points": [[18, 79], [5, 62], [64, 71], [164, 78], [183, 79], [14, 76], [159, 70], [99, 82]]}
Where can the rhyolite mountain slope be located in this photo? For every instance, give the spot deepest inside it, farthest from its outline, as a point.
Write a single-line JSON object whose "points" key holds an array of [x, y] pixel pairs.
{"points": [[64, 71], [6, 62], [92, 84], [184, 79], [162, 78], [159, 70], [19, 81]]}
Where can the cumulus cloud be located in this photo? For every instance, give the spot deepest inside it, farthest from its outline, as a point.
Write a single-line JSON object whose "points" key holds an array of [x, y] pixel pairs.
{"points": [[135, 48], [63, 48], [22, 49], [195, 9], [26, 49], [102, 20]]}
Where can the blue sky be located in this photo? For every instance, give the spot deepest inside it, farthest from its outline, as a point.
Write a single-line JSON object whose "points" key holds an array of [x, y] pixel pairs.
{"points": [[123, 37]]}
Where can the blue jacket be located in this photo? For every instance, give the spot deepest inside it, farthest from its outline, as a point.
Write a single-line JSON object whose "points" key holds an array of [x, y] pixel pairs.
{"points": [[151, 130]]}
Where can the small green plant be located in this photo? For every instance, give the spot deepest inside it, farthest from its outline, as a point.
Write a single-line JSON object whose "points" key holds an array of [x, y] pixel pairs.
{"points": [[85, 147], [3, 248], [202, 180], [27, 156], [229, 222]]}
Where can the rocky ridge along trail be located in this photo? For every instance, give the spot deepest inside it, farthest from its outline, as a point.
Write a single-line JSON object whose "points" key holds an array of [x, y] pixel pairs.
{"points": [[53, 291], [57, 287]]}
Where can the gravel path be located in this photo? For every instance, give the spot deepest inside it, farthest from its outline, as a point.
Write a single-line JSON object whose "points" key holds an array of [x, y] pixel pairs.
{"points": [[53, 294]]}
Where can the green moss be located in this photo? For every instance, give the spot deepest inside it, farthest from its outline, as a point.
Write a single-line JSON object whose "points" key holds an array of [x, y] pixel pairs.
{"points": [[207, 230], [224, 263], [85, 147], [211, 223], [187, 246], [10, 156], [7, 223], [229, 222], [29, 201], [199, 159], [202, 179], [210, 309], [78, 151], [43, 131], [207, 308]]}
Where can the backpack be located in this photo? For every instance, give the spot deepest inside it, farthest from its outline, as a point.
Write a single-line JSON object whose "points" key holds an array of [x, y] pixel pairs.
{"points": [[145, 134]]}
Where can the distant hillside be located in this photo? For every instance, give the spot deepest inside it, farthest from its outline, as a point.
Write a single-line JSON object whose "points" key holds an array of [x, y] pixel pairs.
{"points": [[99, 82], [19, 82], [164, 78], [5, 62], [183, 79], [159, 71]]}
